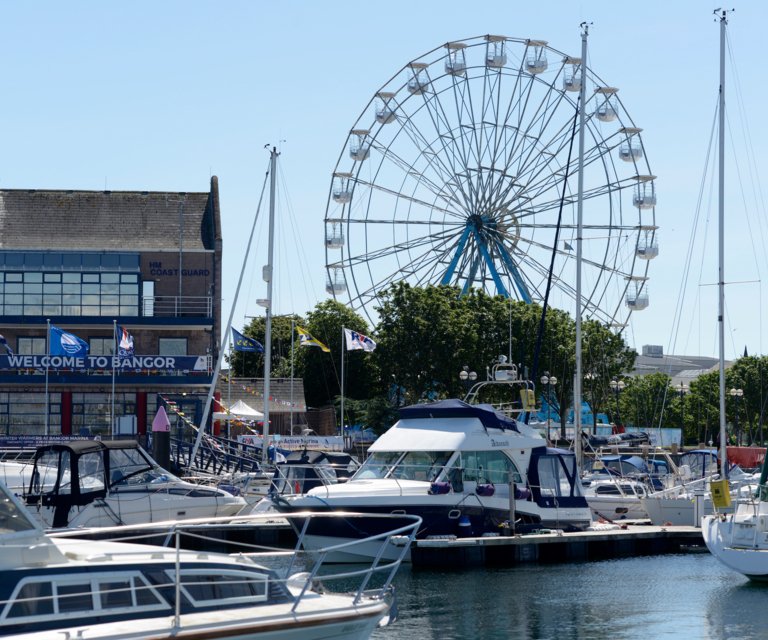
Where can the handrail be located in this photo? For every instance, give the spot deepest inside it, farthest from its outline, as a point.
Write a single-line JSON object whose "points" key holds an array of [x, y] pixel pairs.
{"points": [[319, 563]]}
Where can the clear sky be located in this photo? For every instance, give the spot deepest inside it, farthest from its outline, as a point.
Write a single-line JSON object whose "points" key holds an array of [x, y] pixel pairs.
{"points": [[161, 95]]}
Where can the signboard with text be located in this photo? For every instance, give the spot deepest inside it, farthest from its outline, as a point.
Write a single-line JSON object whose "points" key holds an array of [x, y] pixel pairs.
{"points": [[132, 363]]}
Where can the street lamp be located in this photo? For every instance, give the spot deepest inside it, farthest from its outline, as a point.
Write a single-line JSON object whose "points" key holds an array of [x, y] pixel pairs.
{"points": [[617, 386], [682, 389], [467, 377], [591, 377], [737, 394], [549, 381]]}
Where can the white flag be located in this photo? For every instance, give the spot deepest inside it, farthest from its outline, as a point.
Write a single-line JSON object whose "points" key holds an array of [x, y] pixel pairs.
{"points": [[357, 340]]}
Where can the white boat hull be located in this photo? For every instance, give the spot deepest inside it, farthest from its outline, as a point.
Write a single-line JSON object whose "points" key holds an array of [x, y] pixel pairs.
{"points": [[728, 545]]}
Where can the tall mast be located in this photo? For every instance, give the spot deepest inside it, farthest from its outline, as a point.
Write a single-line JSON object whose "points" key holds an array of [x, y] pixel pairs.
{"points": [[721, 243], [579, 223], [267, 273]]}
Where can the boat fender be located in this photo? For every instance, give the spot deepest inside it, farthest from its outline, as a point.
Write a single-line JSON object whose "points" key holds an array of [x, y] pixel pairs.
{"points": [[485, 490], [439, 488], [523, 493], [465, 527]]}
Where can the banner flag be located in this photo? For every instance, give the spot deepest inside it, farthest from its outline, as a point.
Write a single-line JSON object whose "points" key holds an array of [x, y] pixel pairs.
{"points": [[125, 343], [67, 344], [356, 341], [306, 340], [4, 342], [244, 343]]}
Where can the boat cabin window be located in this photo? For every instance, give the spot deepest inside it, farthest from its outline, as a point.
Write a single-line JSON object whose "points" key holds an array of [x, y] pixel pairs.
{"points": [[130, 466], [553, 479], [49, 470], [90, 469], [11, 517], [489, 466], [378, 464], [39, 597], [412, 465], [421, 465], [211, 587]]}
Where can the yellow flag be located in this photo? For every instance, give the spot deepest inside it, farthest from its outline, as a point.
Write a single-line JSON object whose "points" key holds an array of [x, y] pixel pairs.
{"points": [[306, 340]]}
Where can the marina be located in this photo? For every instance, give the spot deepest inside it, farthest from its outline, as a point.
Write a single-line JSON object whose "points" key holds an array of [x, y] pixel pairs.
{"points": [[480, 427]]}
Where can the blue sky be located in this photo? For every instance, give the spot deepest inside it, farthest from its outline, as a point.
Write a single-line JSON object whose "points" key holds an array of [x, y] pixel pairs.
{"points": [[162, 95]]}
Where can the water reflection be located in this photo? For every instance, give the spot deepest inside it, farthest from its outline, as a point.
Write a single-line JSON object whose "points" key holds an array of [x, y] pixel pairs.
{"points": [[680, 595]]}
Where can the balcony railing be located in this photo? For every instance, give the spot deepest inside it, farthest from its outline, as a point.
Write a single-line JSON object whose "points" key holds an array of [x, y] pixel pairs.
{"points": [[177, 306]]}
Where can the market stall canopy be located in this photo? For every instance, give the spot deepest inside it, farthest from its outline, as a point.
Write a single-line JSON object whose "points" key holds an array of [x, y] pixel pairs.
{"points": [[239, 411]]}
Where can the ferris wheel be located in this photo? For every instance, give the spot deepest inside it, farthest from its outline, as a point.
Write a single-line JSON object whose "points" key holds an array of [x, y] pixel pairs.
{"points": [[463, 170]]}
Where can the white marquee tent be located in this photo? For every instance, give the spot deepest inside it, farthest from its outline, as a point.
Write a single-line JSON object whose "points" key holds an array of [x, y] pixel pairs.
{"points": [[239, 411]]}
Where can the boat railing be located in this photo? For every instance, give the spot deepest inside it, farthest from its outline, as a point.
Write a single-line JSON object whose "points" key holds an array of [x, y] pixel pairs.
{"points": [[301, 572]]}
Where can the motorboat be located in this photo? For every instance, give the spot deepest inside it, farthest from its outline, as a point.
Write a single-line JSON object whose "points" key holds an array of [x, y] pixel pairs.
{"points": [[465, 469], [99, 483], [616, 483], [685, 502], [304, 470], [616, 498], [56, 585]]}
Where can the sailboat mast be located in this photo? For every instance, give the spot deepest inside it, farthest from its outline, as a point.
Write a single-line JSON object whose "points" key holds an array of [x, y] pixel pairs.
{"points": [[267, 273], [721, 245], [579, 224]]}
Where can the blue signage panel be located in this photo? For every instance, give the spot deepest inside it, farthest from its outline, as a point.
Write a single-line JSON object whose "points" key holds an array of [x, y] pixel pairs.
{"points": [[167, 363]]}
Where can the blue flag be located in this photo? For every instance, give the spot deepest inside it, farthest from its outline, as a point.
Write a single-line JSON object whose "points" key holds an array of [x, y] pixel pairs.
{"points": [[67, 344], [244, 343], [8, 349], [124, 343]]}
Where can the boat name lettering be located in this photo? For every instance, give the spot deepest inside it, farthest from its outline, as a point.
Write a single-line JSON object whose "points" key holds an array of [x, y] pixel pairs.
{"points": [[499, 443]]}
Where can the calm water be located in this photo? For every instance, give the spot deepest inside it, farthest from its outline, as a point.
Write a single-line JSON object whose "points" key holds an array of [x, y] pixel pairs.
{"points": [[685, 595]]}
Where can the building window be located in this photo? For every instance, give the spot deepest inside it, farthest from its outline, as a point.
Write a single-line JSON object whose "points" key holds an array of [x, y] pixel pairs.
{"points": [[173, 346], [90, 412], [102, 346], [31, 346], [57, 284]]}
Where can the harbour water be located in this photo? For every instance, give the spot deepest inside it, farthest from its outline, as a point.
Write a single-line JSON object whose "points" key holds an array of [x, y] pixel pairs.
{"points": [[687, 595]]}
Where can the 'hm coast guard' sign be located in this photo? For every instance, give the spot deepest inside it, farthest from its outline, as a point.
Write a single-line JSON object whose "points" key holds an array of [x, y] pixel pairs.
{"points": [[167, 363]]}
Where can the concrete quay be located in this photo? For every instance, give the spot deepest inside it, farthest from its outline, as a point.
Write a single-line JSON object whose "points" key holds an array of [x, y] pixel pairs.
{"points": [[549, 547]]}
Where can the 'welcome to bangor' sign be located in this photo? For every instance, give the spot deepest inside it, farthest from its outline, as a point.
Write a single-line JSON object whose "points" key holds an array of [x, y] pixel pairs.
{"points": [[132, 363]]}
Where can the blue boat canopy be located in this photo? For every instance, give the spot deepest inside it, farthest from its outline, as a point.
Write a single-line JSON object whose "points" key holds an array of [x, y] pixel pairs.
{"points": [[455, 408]]}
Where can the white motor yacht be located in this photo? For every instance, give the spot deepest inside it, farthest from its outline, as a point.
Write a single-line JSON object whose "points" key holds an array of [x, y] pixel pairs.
{"points": [[99, 483], [59, 586], [466, 470]]}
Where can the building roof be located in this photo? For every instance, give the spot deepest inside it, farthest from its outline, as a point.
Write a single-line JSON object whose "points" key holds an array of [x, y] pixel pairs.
{"points": [[32, 219], [679, 368]]}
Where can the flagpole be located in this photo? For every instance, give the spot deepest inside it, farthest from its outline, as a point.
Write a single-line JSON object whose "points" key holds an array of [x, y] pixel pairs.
{"points": [[223, 348], [293, 322], [342, 381], [114, 355], [47, 360], [229, 388], [267, 274]]}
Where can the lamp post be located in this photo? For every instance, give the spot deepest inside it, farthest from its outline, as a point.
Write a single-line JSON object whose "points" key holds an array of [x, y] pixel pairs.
{"points": [[590, 377], [682, 389], [467, 378], [617, 386], [737, 394], [549, 381]]}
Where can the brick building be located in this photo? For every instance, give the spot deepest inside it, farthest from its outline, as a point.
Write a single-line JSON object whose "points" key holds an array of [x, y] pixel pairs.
{"points": [[88, 262]]}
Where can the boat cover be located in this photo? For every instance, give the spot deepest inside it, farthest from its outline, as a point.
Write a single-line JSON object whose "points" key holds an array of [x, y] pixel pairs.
{"points": [[454, 408]]}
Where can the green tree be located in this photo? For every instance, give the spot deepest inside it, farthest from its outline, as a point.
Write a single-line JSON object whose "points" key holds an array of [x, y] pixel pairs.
{"points": [[321, 370]]}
